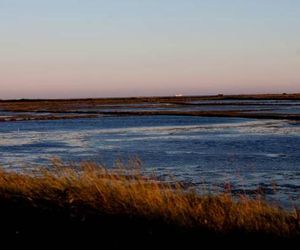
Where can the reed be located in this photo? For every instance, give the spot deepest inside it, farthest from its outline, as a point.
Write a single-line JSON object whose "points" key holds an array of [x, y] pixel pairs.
{"points": [[86, 192]]}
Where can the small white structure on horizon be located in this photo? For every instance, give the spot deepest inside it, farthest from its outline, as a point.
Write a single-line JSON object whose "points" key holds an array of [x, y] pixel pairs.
{"points": [[178, 95]]}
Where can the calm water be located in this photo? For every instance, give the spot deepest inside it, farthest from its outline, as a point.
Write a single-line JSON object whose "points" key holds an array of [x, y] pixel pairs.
{"points": [[205, 152]]}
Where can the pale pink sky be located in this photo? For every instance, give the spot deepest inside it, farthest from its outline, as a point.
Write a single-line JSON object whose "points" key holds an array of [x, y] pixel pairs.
{"points": [[132, 48]]}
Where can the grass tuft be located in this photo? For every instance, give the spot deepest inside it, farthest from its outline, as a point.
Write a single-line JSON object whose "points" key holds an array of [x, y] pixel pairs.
{"points": [[79, 198]]}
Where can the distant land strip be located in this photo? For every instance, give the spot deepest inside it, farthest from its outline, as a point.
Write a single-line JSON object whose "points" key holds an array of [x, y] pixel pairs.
{"points": [[57, 109], [95, 114], [283, 96]]}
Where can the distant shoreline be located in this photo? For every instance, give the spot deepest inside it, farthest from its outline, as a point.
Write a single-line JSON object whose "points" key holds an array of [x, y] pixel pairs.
{"points": [[283, 96], [60, 109]]}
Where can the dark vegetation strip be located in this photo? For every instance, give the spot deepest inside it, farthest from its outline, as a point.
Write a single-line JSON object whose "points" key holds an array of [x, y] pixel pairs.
{"points": [[236, 114], [43, 118], [284, 96], [95, 114], [235, 104], [61, 103], [74, 106]]}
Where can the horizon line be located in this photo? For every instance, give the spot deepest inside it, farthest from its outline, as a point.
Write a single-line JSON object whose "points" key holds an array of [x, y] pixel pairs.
{"points": [[156, 96]]}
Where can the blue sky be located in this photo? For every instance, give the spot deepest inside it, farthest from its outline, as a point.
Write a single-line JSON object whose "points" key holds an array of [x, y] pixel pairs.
{"points": [[161, 47]]}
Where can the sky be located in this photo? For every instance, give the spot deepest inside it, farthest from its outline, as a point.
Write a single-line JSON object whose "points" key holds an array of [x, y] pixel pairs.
{"points": [[97, 48]]}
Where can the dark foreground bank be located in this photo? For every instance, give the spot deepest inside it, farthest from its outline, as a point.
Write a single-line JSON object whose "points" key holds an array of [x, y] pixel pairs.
{"points": [[120, 208]]}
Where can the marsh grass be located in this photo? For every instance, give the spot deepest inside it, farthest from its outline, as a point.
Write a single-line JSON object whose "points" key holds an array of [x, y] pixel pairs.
{"points": [[89, 194]]}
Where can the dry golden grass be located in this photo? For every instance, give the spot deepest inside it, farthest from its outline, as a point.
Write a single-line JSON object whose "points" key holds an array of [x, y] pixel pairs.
{"points": [[129, 193]]}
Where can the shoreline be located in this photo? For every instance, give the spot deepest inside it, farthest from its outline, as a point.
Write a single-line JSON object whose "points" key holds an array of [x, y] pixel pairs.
{"points": [[97, 114], [282, 96], [92, 108]]}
